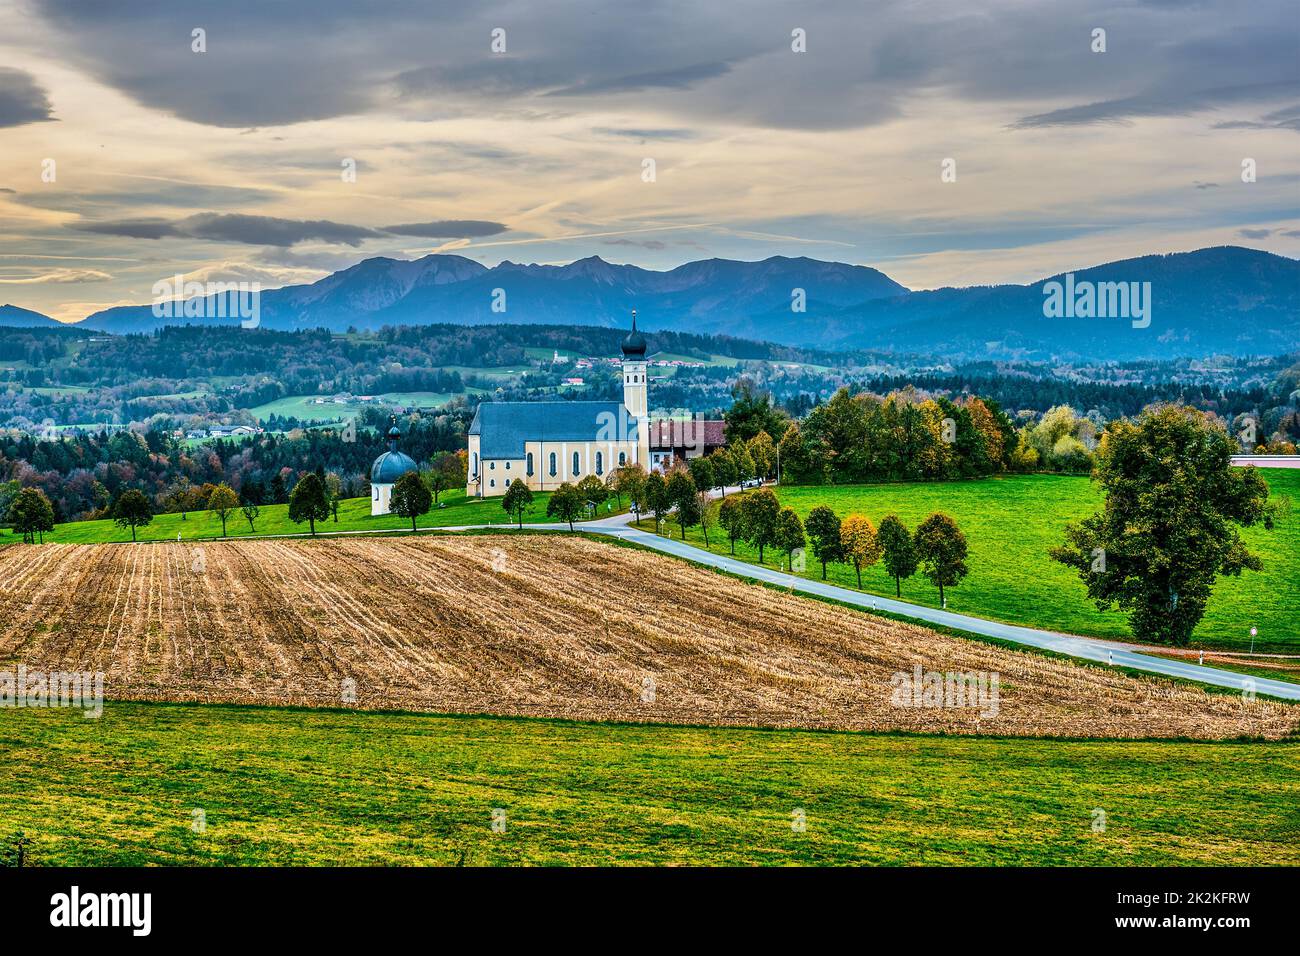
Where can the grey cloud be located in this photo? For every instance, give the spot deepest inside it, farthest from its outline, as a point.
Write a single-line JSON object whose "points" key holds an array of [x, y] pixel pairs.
{"points": [[680, 78], [646, 133], [1255, 233], [22, 99], [234, 227], [700, 64], [448, 229]]}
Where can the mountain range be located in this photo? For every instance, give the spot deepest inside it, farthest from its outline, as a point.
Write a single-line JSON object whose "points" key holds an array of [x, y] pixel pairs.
{"points": [[1221, 300]]}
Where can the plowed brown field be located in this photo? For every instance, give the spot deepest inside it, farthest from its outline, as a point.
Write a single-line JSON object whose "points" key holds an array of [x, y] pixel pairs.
{"points": [[536, 625]]}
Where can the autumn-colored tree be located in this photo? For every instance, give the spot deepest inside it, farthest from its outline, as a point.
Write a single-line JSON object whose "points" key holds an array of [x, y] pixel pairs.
{"points": [[656, 497], [630, 480], [724, 469], [858, 539], [762, 451]]}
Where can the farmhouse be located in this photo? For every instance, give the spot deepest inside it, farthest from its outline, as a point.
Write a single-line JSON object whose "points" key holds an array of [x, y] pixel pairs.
{"points": [[387, 468]]}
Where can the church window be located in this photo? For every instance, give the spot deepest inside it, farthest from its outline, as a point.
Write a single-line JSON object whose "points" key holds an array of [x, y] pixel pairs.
{"points": [[492, 483], [622, 459], [577, 464], [530, 464], [552, 464], [475, 472], [376, 494], [600, 463], [493, 466], [507, 482], [507, 466]]}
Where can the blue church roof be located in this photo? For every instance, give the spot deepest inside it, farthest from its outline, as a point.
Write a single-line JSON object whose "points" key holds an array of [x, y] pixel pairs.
{"points": [[390, 466], [504, 427]]}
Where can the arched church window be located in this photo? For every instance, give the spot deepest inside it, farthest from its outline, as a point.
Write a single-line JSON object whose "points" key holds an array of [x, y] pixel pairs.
{"points": [[552, 464], [600, 464], [530, 465], [577, 464], [474, 473], [622, 459]]}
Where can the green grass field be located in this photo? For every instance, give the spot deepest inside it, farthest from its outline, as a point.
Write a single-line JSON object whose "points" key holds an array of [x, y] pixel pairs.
{"points": [[354, 515], [328, 787], [1011, 523]]}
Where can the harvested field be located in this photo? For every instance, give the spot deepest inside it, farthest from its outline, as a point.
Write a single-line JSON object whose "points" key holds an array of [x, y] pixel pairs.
{"points": [[537, 626]]}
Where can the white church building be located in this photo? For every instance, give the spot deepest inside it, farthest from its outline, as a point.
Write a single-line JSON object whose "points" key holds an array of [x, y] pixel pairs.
{"points": [[549, 443]]}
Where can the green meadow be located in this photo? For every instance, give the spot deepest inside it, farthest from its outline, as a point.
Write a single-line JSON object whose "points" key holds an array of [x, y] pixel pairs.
{"points": [[354, 515], [1010, 525], [304, 787]]}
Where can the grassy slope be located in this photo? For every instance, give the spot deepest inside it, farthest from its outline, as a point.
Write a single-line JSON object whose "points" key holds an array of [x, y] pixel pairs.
{"points": [[354, 515], [1011, 523], [327, 787]]}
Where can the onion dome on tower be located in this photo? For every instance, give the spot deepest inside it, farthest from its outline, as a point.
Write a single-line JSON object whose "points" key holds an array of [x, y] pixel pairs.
{"points": [[634, 344], [392, 464]]}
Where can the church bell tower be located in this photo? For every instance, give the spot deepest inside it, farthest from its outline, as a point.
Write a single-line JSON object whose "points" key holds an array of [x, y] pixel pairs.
{"points": [[634, 366]]}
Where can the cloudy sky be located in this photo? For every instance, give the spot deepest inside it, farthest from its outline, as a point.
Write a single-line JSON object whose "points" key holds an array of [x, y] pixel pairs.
{"points": [[230, 163]]}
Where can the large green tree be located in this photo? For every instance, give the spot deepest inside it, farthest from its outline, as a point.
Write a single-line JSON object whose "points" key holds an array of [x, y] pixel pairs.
{"points": [[760, 512], [732, 518], [132, 510], [941, 549], [1169, 524], [823, 527], [789, 534], [309, 501], [566, 503], [898, 550], [683, 496], [31, 514]]}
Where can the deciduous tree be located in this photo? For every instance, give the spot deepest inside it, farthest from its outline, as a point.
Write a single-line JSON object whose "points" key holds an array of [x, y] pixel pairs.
{"points": [[823, 527], [223, 502], [858, 539], [941, 550], [409, 498], [898, 550], [309, 501], [1169, 525]]}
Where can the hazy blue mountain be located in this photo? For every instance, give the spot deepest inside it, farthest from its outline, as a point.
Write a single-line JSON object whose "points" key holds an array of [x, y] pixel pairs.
{"points": [[712, 295], [1221, 300], [1225, 299], [14, 317]]}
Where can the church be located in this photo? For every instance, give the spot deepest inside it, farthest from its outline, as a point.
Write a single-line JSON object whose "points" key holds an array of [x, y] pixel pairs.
{"points": [[549, 443]]}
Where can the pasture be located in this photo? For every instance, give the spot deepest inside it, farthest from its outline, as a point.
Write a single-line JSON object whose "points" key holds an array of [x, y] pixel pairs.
{"points": [[354, 515], [321, 787], [1011, 524]]}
